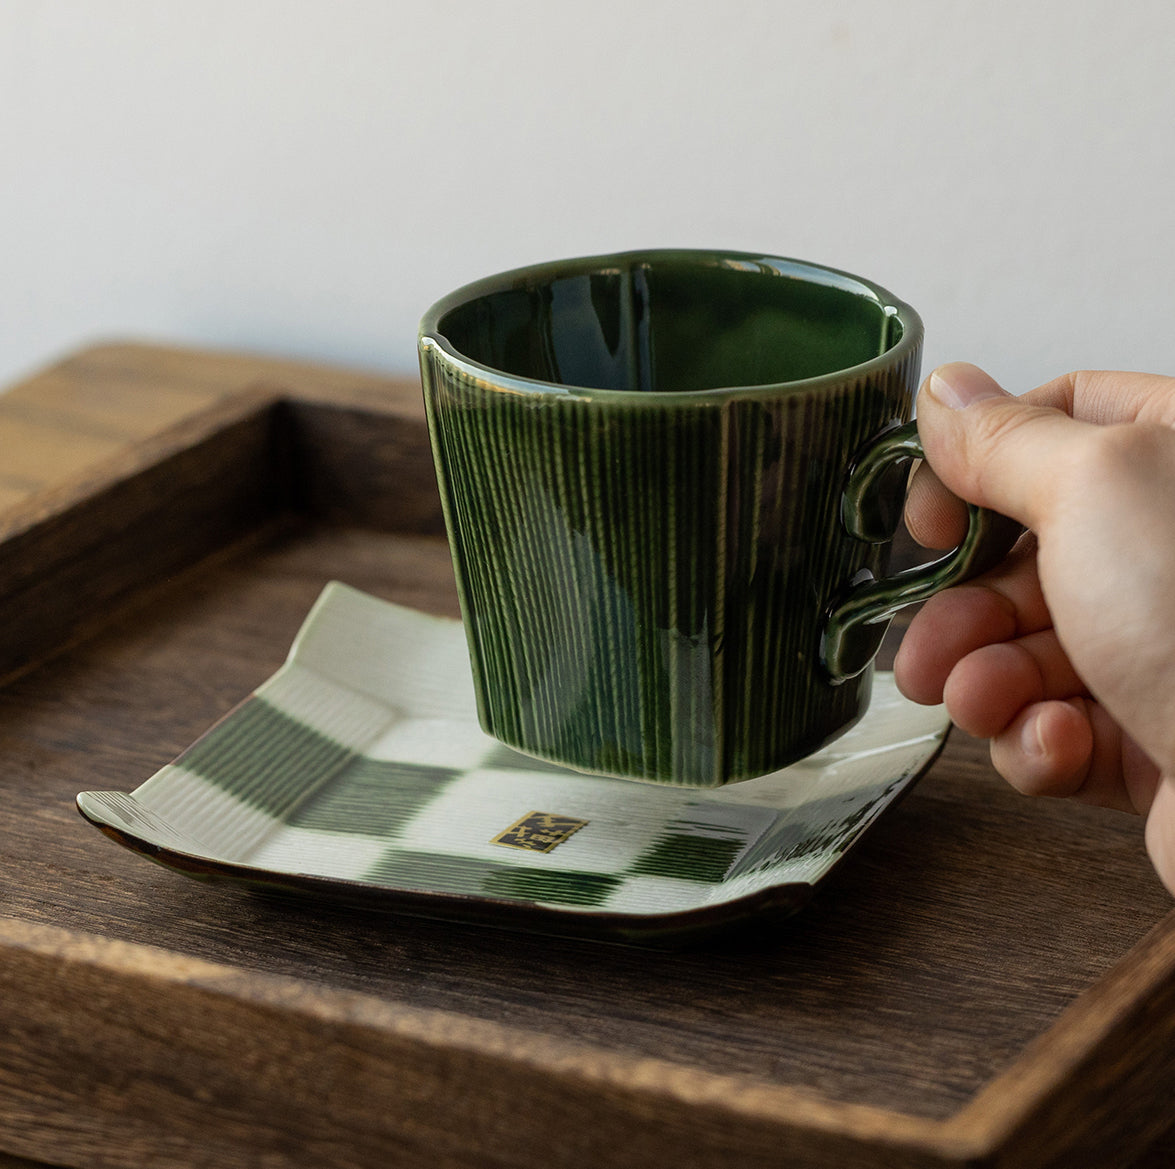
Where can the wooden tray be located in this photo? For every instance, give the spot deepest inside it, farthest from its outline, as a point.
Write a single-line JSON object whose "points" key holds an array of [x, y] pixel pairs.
{"points": [[990, 980]]}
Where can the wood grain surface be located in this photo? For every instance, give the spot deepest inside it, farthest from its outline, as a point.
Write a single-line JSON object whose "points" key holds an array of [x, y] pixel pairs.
{"points": [[988, 980]]}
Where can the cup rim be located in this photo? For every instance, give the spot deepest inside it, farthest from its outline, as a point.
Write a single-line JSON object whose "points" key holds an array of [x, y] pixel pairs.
{"points": [[430, 336]]}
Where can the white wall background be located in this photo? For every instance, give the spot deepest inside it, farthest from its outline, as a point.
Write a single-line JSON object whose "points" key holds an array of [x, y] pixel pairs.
{"points": [[303, 177]]}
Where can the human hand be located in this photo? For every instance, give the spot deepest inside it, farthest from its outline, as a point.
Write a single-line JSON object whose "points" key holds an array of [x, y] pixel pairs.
{"points": [[1064, 655]]}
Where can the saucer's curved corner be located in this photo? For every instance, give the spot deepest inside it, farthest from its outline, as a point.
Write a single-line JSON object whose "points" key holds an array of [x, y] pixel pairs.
{"points": [[106, 809], [125, 820]]}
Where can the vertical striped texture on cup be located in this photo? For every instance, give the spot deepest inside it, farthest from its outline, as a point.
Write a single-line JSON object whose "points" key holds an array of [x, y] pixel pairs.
{"points": [[644, 575], [644, 584]]}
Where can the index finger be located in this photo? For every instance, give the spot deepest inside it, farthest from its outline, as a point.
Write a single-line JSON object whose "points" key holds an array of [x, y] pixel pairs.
{"points": [[1105, 397]]}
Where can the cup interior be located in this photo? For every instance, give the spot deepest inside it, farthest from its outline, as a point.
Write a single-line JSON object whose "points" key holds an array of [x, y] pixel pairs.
{"points": [[672, 322]]}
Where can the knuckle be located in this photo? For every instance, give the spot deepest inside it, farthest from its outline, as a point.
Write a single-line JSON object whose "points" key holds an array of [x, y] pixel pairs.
{"points": [[1125, 449]]}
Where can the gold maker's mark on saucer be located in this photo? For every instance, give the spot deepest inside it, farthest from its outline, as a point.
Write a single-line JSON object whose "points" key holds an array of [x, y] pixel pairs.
{"points": [[539, 831]]}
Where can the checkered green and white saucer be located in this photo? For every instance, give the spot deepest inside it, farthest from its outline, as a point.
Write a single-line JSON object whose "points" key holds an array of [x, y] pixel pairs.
{"points": [[359, 771]]}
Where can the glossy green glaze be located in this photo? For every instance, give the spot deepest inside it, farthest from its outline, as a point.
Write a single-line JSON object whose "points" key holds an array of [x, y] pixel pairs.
{"points": [[641, 460], [870, 510]]}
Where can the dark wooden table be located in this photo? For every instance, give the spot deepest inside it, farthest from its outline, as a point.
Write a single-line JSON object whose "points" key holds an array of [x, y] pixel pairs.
{"points": [[989, 981]]}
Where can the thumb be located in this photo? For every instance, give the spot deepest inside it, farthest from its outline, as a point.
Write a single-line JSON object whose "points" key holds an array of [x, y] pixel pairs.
{"points": [[991, 448]]}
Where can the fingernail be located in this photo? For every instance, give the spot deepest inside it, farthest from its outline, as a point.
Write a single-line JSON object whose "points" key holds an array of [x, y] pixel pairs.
{"points": [[1030, 741], [959, 385]]}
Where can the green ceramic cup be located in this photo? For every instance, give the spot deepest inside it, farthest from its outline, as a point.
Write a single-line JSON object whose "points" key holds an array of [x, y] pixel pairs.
{"points": [[670, 481]]}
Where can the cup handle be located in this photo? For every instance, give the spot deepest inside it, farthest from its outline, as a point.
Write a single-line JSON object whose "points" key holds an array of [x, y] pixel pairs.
{"points": [[871, 511]]}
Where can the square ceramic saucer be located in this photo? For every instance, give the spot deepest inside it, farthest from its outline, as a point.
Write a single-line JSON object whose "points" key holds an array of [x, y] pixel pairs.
{"points": [[359, 771]]}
